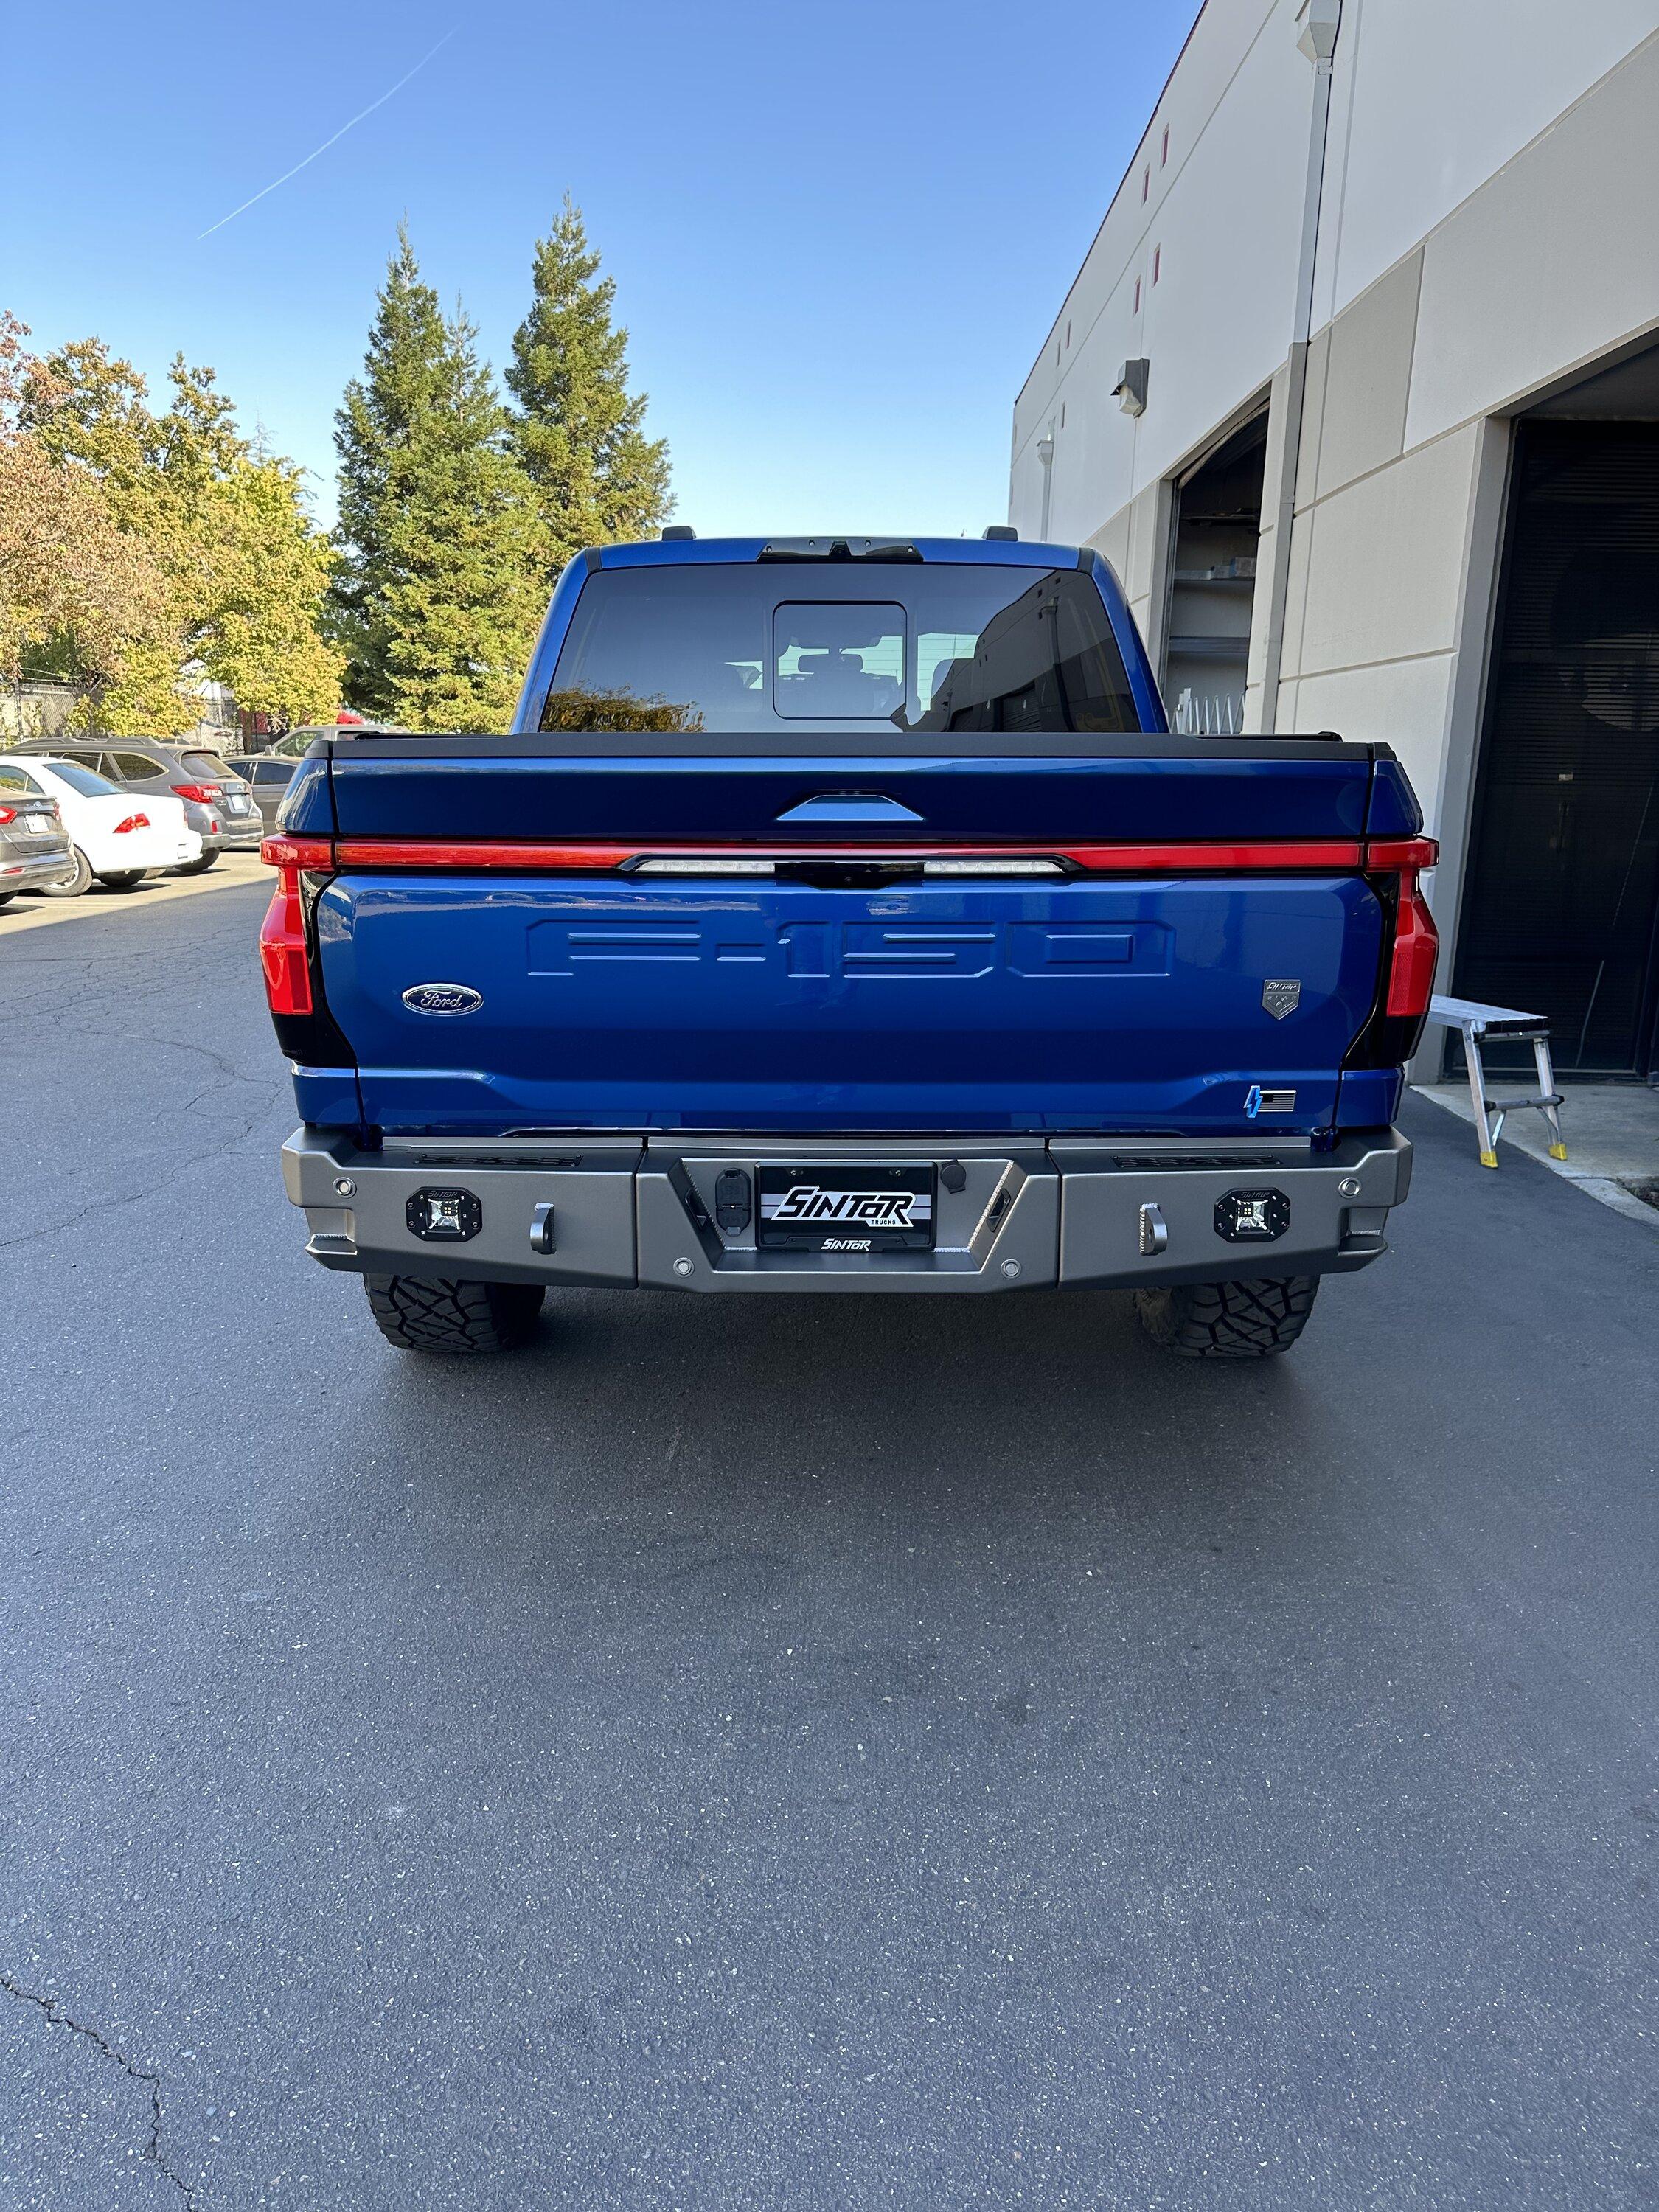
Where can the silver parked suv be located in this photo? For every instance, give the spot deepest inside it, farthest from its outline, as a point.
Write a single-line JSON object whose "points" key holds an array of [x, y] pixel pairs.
{"points": [[219, 805]]}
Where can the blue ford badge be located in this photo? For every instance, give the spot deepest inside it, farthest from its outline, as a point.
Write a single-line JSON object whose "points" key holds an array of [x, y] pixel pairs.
{"points": [[442, 998]]}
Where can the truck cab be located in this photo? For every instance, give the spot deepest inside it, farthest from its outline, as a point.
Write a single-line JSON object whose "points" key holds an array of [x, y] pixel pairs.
{"points": [[841, 915]]}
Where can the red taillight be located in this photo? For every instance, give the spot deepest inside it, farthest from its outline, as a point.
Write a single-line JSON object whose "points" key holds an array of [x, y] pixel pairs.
{"points": [[1272, 856], [283, 953], [8, 814], [133, 822], [1401, 853], [487, 852], [281, 852], [203, 793], [1416, 939], [1416, 949]]}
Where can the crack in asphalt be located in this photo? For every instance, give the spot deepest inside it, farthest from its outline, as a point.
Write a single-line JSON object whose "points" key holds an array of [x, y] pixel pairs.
{"points": [[134, 1197], [152, 2150], [226, 1067]]}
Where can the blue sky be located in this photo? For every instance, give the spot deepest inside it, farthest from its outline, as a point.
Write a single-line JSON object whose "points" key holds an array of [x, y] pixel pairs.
{"points": [[839, 229]]}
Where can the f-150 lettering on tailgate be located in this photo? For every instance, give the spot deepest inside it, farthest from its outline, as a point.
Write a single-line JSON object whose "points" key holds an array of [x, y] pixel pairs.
{"points": [[891, 951]]}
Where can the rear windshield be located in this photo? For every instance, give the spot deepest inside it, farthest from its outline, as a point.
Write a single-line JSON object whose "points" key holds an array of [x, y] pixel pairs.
{"points": [[205, 764], [89, 784], [908, 645]]}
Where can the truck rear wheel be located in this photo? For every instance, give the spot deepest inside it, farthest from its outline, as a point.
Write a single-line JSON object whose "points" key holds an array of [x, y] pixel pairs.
{"points": [[418, 1314], [1228, 1320]]}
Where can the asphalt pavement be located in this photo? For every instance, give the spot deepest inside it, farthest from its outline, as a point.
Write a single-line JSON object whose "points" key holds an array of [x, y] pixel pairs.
{"points": [[798, 1756]]}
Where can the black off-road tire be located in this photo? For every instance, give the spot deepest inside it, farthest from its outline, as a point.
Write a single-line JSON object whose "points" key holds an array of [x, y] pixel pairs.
{"points": [[418, 1314], [1228, 1320]]}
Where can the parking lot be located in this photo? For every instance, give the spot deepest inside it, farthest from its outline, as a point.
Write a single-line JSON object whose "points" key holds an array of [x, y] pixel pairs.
{"points": [[906, 1753]]}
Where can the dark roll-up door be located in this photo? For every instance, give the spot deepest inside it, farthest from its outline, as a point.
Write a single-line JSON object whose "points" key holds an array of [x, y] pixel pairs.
{"points": [[1559, 917]]}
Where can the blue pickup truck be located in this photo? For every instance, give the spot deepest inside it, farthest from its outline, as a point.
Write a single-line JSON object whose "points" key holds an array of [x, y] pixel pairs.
{"points": [[841, 915]]}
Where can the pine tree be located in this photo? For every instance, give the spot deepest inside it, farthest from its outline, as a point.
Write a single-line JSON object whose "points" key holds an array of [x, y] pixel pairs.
{"points": [[438, 592], [597, 477]]}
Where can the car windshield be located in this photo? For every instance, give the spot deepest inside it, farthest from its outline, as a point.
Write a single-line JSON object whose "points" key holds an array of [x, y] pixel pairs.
{"points": [[83, 780], [916, 646]]}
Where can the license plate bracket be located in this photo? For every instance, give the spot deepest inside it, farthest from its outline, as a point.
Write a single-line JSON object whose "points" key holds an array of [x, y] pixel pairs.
{"points": [[846, 1206]]}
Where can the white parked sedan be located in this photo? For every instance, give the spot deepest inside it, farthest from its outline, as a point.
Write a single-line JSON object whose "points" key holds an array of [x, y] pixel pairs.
{"points": [[117, 836]]}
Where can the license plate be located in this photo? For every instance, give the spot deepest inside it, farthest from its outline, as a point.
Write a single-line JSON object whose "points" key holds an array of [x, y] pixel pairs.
{"points": [[853, 1207], [238, 804], [38, 825]]}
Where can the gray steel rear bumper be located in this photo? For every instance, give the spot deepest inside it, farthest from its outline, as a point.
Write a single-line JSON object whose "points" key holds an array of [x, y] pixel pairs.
{"points": [[1071, 1212]]}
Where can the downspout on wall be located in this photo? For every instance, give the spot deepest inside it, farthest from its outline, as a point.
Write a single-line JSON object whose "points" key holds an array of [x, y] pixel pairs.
{"points": [[1321, 21]]}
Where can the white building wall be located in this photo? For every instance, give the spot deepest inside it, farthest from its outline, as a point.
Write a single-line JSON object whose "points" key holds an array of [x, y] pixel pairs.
{"points": [[1432, 97], [1433, 102], [1214, 312], [1489, 223]]}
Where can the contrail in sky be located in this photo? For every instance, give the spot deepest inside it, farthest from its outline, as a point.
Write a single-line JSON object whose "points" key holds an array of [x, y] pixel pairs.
{"points": [[327, 143]]}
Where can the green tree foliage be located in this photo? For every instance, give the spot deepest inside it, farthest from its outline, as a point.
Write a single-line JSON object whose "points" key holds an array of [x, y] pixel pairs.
{"points": [[75, 587], [597, 477], [438, 592], [243, 569]]}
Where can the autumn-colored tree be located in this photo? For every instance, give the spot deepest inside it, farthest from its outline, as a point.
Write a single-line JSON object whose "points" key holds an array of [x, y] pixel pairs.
{"points": [[598, 477], [438, 593], [245, 569], [73, 583]]}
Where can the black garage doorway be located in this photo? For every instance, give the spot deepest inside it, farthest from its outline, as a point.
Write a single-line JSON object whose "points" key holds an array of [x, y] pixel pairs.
{"points": [[1563, 900]]}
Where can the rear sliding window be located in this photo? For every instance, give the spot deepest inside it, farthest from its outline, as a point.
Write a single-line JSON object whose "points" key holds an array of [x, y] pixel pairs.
{"points": [[912, 646]]}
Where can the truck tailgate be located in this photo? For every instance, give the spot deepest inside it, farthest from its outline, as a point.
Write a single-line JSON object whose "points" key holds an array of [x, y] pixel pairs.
{"points": [[1198, 953], [1139, 1003]]}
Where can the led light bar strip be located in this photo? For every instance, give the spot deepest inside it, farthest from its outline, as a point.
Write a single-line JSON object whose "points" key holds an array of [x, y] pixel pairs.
{"points": [[529, 856]]}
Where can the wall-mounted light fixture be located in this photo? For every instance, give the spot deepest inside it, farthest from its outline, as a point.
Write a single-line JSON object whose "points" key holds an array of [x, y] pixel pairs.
{"points": [[1130, 390]]}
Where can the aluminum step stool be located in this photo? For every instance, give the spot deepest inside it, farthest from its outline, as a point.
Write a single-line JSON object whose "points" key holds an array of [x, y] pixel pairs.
{"points": [[1475, 1022]]}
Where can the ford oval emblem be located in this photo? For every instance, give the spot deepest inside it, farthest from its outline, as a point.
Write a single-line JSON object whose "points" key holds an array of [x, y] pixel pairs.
{"points": [[442, 998]]}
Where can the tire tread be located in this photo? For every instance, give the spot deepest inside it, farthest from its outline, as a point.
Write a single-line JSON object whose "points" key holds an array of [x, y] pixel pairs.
{"points": [[423, 1313], [1229, 1320]]}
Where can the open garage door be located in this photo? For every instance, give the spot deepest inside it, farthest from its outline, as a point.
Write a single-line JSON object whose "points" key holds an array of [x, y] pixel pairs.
{"points": [[1562, 899]]}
